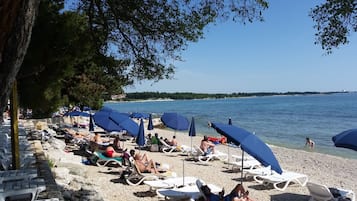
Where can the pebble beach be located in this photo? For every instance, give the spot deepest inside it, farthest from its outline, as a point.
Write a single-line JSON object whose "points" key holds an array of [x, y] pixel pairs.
{"points": [[76, 178]]}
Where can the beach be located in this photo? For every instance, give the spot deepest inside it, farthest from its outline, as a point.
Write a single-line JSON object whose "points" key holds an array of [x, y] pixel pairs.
{"points": [[328, 170]]}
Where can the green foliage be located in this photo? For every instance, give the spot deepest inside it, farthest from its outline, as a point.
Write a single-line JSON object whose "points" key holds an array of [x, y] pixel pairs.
{"points": [[335, 20], [83, 56]]}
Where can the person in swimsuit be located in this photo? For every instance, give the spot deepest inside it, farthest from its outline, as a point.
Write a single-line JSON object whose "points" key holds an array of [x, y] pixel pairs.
{"points": [[110, 152], [207, 146], [238, 193], [143, 163]]}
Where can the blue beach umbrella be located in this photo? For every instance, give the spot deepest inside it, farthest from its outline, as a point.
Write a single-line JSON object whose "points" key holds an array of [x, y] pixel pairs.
{"points": [[192, 131], [125, 122], [175, 121], [150, 124], [249, 143], [139, 115], [91, 123], [76, 113], [101, 119], [111, 120], [140, 138], [346, 139]]}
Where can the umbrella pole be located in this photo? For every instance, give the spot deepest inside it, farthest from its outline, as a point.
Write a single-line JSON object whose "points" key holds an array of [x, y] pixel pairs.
{"points": [[190, 152], [228, 157], [183, 172], [241, 174]]}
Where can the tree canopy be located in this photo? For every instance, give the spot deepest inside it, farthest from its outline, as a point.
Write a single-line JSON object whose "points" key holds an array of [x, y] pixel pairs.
{"points": [[81, 54], [335, 21], [86, 54]]}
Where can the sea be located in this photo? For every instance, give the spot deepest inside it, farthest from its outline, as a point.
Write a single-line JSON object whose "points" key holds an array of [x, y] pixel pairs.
{"points": [[283, 121]]}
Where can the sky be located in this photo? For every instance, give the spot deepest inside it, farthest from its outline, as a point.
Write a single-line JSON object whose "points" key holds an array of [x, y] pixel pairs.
{"points": [[277, 55]]}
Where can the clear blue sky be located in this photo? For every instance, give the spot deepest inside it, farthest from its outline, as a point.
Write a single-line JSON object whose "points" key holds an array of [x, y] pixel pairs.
{"points": [[277, 55]]}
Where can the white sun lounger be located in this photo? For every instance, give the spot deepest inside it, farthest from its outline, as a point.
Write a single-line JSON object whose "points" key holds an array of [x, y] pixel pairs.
{"points": [[320, 192], [191, 192], [285, 178], [209, 157], [171, 182], [26, 189], [259, 171]]}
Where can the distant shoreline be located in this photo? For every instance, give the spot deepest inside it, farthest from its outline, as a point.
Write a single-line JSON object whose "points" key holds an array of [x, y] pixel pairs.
{"points": [[163, 96]]}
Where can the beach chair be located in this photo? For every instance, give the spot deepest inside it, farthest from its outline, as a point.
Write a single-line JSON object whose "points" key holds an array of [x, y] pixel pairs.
{"points": [[19, 174], [136, 177], [218, 155], [166, 148], [22, 189], [247, 164], [320, 192], [103, 160], [259, 171], [281, 181], [173, 182], [190, 192]]}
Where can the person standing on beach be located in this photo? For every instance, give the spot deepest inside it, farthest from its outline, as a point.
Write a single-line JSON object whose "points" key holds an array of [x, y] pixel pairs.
{"points": [[309, 143]]}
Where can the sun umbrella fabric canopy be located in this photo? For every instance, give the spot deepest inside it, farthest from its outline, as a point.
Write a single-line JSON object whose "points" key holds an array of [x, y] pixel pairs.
{"points": [[175, 121], [101, 118], [249, 143], [139, 115], [77, 113], [91, 123], [346, 139], [192, 131], [140, 138], [150, 124], [125, 122]]}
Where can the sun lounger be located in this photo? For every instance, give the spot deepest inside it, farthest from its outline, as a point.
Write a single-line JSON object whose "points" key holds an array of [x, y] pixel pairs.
{"points": [[17, 174], [247, 164], [320, 192], [22, 189], [104, 160], [191, 192], [166, 148], [209, 157], [136, 177], [259, 171], [171, 182], [283, 179]]}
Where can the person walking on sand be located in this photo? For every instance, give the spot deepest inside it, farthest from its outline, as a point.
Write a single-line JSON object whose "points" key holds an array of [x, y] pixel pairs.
{"points": [[309, 143]]}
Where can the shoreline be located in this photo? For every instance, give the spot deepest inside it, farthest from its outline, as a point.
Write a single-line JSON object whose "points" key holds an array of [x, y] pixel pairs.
{"points": [[332, 171]]}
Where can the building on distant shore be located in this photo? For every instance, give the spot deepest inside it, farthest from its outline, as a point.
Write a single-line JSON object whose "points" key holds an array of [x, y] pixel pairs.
{"points": [[118, 96]]}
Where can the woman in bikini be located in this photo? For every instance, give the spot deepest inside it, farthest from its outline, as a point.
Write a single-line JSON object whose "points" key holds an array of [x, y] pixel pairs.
{"points": [[143, 163]]}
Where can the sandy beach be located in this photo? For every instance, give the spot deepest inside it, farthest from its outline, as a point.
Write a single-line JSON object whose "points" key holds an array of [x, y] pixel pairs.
{"points": [[324, 169]]}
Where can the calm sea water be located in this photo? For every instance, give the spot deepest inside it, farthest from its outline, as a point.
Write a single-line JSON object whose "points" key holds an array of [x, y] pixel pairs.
{"points": [[279, 120]]}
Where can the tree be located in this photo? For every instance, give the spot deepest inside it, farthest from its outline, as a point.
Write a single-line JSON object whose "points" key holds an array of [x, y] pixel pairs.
{"points": [[335, 20], [65, 64], [16, 21]]}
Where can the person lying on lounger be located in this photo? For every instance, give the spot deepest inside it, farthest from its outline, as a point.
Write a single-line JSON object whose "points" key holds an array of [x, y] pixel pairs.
{"points": [[143, 162], [238, 193], [110, 152]]}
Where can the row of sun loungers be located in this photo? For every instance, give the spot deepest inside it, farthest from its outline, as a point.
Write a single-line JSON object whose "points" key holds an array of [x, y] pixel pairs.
{"points": [[23, 183], [172, 187]]}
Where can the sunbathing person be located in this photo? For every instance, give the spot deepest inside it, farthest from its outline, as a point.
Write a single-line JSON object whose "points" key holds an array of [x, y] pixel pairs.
{"points": [[143, 163], [173, 142], [238, 193], [207, 146], [110, 152]]}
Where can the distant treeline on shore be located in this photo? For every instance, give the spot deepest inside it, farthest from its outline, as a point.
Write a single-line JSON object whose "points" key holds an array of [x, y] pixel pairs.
{"points": [[189, 95]]}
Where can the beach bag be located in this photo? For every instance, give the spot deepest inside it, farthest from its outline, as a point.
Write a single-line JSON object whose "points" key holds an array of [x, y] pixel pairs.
{"points": [[154, 148]]}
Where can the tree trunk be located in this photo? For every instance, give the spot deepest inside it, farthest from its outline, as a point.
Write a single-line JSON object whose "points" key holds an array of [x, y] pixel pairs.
{"points": [[17, 18]]}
